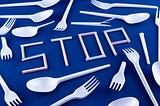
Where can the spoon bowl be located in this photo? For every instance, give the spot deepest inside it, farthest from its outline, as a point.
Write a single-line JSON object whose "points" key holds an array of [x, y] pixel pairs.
{"points": [[127, 101], [156, 72], [48, 3], [42, 84], [41, 16], [136, 18], [28, 31]]}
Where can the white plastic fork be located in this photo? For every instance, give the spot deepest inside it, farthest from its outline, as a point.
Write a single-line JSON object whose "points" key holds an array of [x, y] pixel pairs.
{"points": [[10, 97], [62, 25], [118, 80], [6, 52], [7, 26], [134, 57], [81, 92]]}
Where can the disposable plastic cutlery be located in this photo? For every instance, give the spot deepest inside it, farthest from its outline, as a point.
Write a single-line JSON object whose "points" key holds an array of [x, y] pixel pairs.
{"points": [[6, 52], [134, 57], [7, 26], [130, 19], [156, 65], [28, 31], [106, 6], [144, 46], [91, 23], [126, 101], [38, 17], [62, 25], [119, 79], [10, 97], [42, 3], [81, 92], [48, 84]]}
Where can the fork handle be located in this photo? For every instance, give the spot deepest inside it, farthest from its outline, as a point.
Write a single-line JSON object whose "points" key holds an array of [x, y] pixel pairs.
{"points": [[3, 84], [63, 100], [4, 42], [145, 83], [67, 10]]}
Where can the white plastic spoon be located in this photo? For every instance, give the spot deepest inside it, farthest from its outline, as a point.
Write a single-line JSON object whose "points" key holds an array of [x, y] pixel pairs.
{"points": [[28, 31], [48, 84], [156, 65], [42, 3], [127, 101], [38, 17], [130, 19]]}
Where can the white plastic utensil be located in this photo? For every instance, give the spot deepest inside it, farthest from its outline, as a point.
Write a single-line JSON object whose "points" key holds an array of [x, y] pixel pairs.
{"points": [[48, 84], [7, 26], [126, 101], [62, 25], [106, 6], [144, 46], [118, 80], [81, 92], [130, 19], [38, 17], [10, 97], [91, 23], [156, 65], [134, 57], [6, 52], [42, 3], [28, 31]]}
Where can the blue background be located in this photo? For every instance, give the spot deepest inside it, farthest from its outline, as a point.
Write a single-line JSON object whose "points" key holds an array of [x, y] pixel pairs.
{"points": [[11, 69]]}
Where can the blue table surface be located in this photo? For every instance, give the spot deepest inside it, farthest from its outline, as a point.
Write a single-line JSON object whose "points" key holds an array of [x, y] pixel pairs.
{"points": [[11, 70]]}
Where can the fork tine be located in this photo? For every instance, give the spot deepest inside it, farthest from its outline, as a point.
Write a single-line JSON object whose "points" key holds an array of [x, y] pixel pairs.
{"points": [[127, 50], [133, 50], [111, 84], [19, 100], [7, 25], [8, 103], [94, 87], [124, 50], [120, 87], [117, 86], [2, 57], [88, 81], [114, 86], [15, 101], [7, 57], [7, 22], [13, 21]]}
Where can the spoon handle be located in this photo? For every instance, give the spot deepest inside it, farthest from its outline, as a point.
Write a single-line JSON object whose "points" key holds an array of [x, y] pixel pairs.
{"points": [[158, 43], [45, 24], [145, 83], [20, 4], [16, 16], [78, 74], [102, 14]]}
